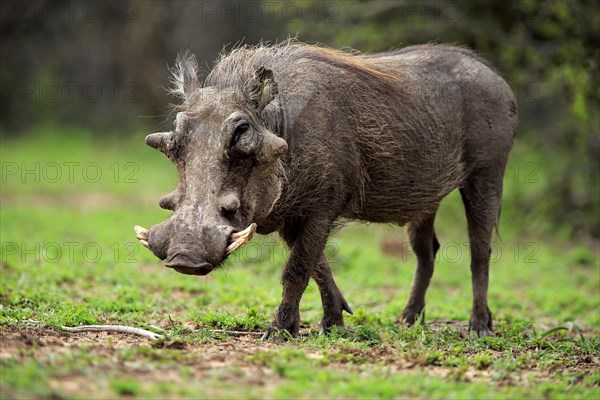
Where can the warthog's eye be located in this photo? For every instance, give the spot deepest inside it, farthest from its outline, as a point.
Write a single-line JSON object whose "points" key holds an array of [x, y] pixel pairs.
{"points": [[238, 132]]}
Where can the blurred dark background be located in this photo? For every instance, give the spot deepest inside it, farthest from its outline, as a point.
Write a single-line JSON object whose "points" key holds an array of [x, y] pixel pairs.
{"points": [[102, 67]]}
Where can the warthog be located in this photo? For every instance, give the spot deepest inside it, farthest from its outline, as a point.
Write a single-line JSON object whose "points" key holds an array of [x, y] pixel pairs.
{"points": [[292, 137]]}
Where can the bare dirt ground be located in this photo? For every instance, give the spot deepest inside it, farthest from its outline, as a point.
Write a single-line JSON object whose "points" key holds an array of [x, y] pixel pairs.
{"points": [[44, 345], [232, 360]]}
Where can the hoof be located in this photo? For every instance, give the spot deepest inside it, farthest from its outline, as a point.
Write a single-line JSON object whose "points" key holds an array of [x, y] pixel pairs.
{"points": [[409, 316], [480, 323]]}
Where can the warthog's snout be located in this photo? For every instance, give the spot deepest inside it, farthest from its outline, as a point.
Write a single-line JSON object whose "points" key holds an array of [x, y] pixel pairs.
{"points": [[186, 264], [189, 253]]}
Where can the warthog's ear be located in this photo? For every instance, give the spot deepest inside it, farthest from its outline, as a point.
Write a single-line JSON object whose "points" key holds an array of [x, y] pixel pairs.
{"points": [[260, 89], [185, 76]]}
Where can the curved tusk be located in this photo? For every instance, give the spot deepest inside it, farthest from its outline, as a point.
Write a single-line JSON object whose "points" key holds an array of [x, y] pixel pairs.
{"points": [[141, 232], [241, 238], [248, 231], [142, 235]]}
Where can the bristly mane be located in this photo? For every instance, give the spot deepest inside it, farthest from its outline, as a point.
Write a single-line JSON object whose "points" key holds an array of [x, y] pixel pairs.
{"points": [[233, 68], [186, 63]]}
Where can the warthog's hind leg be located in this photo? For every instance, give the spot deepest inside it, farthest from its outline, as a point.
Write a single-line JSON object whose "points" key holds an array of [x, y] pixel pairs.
{"points": [[481, 196], [425, 245]]}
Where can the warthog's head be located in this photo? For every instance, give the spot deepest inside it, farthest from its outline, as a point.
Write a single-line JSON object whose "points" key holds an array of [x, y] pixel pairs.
{"points": [[230, 173]]}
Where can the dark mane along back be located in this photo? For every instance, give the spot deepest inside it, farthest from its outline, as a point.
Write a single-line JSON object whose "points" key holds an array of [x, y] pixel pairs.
{"points": [[232, 69]]}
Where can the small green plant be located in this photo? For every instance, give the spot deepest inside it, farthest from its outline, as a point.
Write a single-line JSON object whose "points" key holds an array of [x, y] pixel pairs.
{"points": [[366, 334], [125, 387], [483, 360], [435, 357]]}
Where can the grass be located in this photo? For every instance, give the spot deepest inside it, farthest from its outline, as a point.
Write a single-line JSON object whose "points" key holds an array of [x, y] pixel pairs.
{"points": [[69, 257]]}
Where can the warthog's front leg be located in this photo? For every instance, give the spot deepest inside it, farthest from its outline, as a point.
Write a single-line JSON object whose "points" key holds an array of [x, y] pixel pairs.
{"points": [[307, 240], [294, 280]]}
